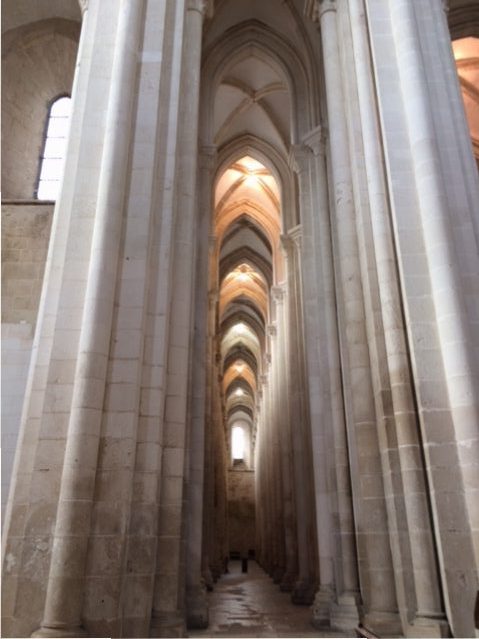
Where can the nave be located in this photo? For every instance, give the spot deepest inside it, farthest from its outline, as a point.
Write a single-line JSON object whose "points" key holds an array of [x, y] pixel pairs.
{"points": [[251, 605]]}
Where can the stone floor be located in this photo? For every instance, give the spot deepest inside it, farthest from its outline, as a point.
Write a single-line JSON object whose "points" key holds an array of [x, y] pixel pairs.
{"points": [[251, 605]]}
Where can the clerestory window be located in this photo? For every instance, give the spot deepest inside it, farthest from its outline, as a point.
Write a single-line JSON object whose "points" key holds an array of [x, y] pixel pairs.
{"points": [[237, 443], [54, 149]]}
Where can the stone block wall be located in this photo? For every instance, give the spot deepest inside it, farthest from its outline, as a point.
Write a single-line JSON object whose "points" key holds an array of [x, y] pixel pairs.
{"points": [[16, 350], [37, 67], [25, 237], [241, 510]]}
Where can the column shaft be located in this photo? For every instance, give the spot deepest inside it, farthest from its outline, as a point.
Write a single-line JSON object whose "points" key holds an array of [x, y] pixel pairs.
{"points": [[416, 550], [303, 590], [373, 544], [196, 605], [62, 616], [168, 600]]}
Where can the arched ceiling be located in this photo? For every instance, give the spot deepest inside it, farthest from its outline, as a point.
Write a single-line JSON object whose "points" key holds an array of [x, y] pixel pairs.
{"points": [[253, 97], [20, 13], [247, 209]]}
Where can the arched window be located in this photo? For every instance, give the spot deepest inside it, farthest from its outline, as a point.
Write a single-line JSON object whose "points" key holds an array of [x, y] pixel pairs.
{"points": [[51, 162], [237, 443]]}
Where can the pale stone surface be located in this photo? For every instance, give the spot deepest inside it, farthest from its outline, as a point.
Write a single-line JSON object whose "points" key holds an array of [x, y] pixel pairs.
{"points": [[268, 220]]}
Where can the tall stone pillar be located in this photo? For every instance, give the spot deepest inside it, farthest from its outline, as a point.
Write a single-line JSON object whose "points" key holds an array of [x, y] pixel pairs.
{"points": [[34, 492], [168, 600], [342, 611], [64, 599], [277, 479], [284, 427], [303, 589], [415, 559], [374, 555], [210, 461], [319, 417], [196, 605], [451, 291], [266, 480]]}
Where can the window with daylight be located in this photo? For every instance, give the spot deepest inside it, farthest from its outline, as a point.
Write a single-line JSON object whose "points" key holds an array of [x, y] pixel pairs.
{"points": [[53, 156], [237, 443]]}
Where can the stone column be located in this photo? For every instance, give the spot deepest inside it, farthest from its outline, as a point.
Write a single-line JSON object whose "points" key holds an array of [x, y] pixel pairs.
{"points": [[452, 293], [415, 558], [284, 426], [209, 470], [374, 553], [303, 589], [168, 600], [196, 605], [32, 490], [343, 611], [319, 418], [63, 606], [259, 487], [264, 463], [276, 479]]}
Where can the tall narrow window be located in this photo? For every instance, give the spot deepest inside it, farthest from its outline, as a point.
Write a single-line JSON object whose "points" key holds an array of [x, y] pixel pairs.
{"points": [[238, 443], [51, 170]]}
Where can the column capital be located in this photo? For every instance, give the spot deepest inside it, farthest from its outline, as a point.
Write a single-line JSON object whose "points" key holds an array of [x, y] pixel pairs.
{"points": [[271, 331], [287, 244], [205, 7], [299, 156], [315, 9], [83, 6], [277, 293], [316, 140], [292, 239]]}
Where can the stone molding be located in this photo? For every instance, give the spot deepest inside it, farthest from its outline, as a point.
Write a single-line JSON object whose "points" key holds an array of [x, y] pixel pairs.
{"points": [[299, 156], [278, 293], [201, 6], [316, 140], [271, 330], [83, 6], [315, 9], [295, 235]]}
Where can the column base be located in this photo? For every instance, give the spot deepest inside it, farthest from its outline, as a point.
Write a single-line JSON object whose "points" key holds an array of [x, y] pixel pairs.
{"points": [[167, 624], [287, 582], [383, 624], [196, 608], [303, 593], [429, 626], [208, 579], [60, 631], [345, 614], [322, 609], [216, 571]]}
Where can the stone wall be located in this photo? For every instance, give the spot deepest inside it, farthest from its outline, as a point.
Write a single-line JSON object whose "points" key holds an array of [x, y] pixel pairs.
{"points": [[37, 67], [25, 237], [16, 351], [241, 510]]}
